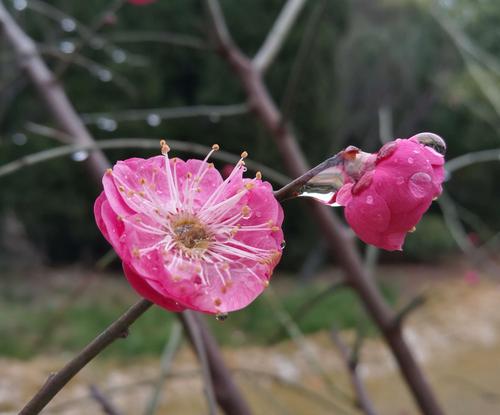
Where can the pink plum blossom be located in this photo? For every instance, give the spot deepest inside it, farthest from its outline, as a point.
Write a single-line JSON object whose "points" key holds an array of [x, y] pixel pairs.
{"points": [[188, 238], [394, 188]]}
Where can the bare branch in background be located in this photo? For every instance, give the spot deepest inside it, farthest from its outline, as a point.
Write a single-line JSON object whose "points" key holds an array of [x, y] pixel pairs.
{"points": [[294, 332], [362, 399], [227, 393], [193, 330], [115, 143], [468, 159], [173, 39], [212, 111], [50, 90], [340, 245], [105, 404], [167, 357], [277, 35]]}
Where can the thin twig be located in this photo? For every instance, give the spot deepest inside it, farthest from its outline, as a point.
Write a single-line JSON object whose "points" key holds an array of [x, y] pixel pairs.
{"points": [[277, 35], [144, 143], [308, 305], [171, 347], [193, 330], [105, 404], [169, 113], [300, 340], [174, 39], [118, 329], [362, 399]]}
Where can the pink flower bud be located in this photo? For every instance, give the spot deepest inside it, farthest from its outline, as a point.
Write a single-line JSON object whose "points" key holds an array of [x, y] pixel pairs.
{"points": [[392, 194]]}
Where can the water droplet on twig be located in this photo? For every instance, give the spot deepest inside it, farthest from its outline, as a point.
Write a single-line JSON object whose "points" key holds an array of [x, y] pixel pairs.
{"points": [[68, 25], [80, 155], [153, 120]]}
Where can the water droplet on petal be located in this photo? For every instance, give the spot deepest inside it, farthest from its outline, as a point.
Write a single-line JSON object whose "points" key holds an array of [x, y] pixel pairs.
{"points": [[420, 184], [20, 4], [68, 25], [410, 160], [154, 120], [221, 316], [369, 200], [283, 244], [81, 155], [67, 47], [400, 180]]}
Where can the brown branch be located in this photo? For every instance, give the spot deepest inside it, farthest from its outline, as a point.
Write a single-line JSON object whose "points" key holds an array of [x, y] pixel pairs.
{"points": [[227, 393], [55, 382], [340, 244], [362, 398]]}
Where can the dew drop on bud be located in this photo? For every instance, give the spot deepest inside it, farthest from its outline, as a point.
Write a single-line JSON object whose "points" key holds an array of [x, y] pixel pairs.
{"points": [[221, 316], [324, 185], [431, 140]]}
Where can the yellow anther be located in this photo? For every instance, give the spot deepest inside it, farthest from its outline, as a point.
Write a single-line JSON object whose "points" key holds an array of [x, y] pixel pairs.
{"points": [[258, 175], [164, 147], [249, 186], [215, 147], [412, 229], [245, 211], [142, 194], [130, 193], [217, 302], [119, 218], [275, 228], [244, 155], [265, 283], [211, 165], [109, 171], [142, 180], [136, 253], [189, 174], [121, 188]]}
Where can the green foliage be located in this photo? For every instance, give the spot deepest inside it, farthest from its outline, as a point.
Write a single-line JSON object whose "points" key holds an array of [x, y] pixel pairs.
{"points": [[431, 241], [35, 318]]}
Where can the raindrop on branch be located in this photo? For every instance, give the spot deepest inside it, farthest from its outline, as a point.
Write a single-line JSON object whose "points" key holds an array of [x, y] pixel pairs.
{"points": [[19, 139], [119, 55], [20, 4], [324, 186], [106, 124], [104, 75], [68, 25], [214, 117], [80, 155], [67, 47], [153, 120]]}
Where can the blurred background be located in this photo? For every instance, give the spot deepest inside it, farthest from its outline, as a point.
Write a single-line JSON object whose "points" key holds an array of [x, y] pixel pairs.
{"points": [[351, 72]]}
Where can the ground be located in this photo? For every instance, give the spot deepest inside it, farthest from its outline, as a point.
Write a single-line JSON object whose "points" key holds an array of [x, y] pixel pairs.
{"points": [[455, 335]]}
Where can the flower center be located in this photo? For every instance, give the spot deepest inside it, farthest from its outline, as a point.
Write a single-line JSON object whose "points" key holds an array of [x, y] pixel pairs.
{"points": [[190, 233]]}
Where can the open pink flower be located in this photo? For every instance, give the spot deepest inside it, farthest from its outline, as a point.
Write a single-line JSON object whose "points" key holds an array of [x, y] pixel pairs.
{"points": [[188, 238], [396, 187]]}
